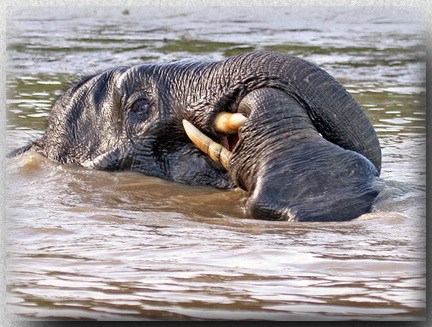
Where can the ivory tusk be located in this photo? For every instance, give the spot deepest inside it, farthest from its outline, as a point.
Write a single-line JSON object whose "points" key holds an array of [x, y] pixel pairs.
{"points": [[229, 123], [216, 151]]}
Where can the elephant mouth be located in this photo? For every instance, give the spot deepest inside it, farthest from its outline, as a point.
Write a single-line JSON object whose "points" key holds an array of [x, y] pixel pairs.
{"points": [[228, 124]]}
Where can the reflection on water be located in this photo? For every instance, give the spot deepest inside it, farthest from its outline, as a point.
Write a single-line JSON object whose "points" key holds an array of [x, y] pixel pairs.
{"points": [[89, 244]]}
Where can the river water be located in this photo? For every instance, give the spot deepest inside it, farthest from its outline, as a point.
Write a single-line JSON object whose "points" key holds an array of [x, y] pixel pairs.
{"points": [[86, 244]]}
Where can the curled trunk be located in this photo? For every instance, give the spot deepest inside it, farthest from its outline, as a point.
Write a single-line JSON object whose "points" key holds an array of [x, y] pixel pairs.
{"points": [[332, 110], [290, 171]]}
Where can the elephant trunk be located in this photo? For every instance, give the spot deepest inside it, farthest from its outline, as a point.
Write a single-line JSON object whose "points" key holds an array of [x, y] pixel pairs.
{"points": [[290, 171]]}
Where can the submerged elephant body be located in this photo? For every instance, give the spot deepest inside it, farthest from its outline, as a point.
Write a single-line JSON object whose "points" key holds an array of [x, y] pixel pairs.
{"points": [[307, 151]]}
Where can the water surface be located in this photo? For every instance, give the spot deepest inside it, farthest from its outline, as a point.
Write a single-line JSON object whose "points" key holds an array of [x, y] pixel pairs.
{"points": [[86, 244]]}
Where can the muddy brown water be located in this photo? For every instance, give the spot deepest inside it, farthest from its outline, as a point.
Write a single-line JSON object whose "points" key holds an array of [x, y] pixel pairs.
{"points": [[84, 244]]}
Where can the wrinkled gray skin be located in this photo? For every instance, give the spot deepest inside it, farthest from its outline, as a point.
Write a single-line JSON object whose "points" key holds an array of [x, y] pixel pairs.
{"points": [[307, 152]]}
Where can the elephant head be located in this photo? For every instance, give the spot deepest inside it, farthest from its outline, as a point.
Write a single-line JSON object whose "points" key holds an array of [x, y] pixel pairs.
{"points": [[302, 148]]}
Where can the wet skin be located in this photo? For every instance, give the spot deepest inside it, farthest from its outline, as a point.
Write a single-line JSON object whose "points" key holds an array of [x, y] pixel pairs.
{"points": [[307, 151]]}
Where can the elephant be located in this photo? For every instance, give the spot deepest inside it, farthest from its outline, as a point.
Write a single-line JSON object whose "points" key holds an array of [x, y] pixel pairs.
{"points": [[275, 125]]}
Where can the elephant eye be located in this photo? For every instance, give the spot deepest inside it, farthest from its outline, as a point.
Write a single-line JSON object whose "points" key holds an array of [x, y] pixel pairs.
{"points": [[140, 108]]}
